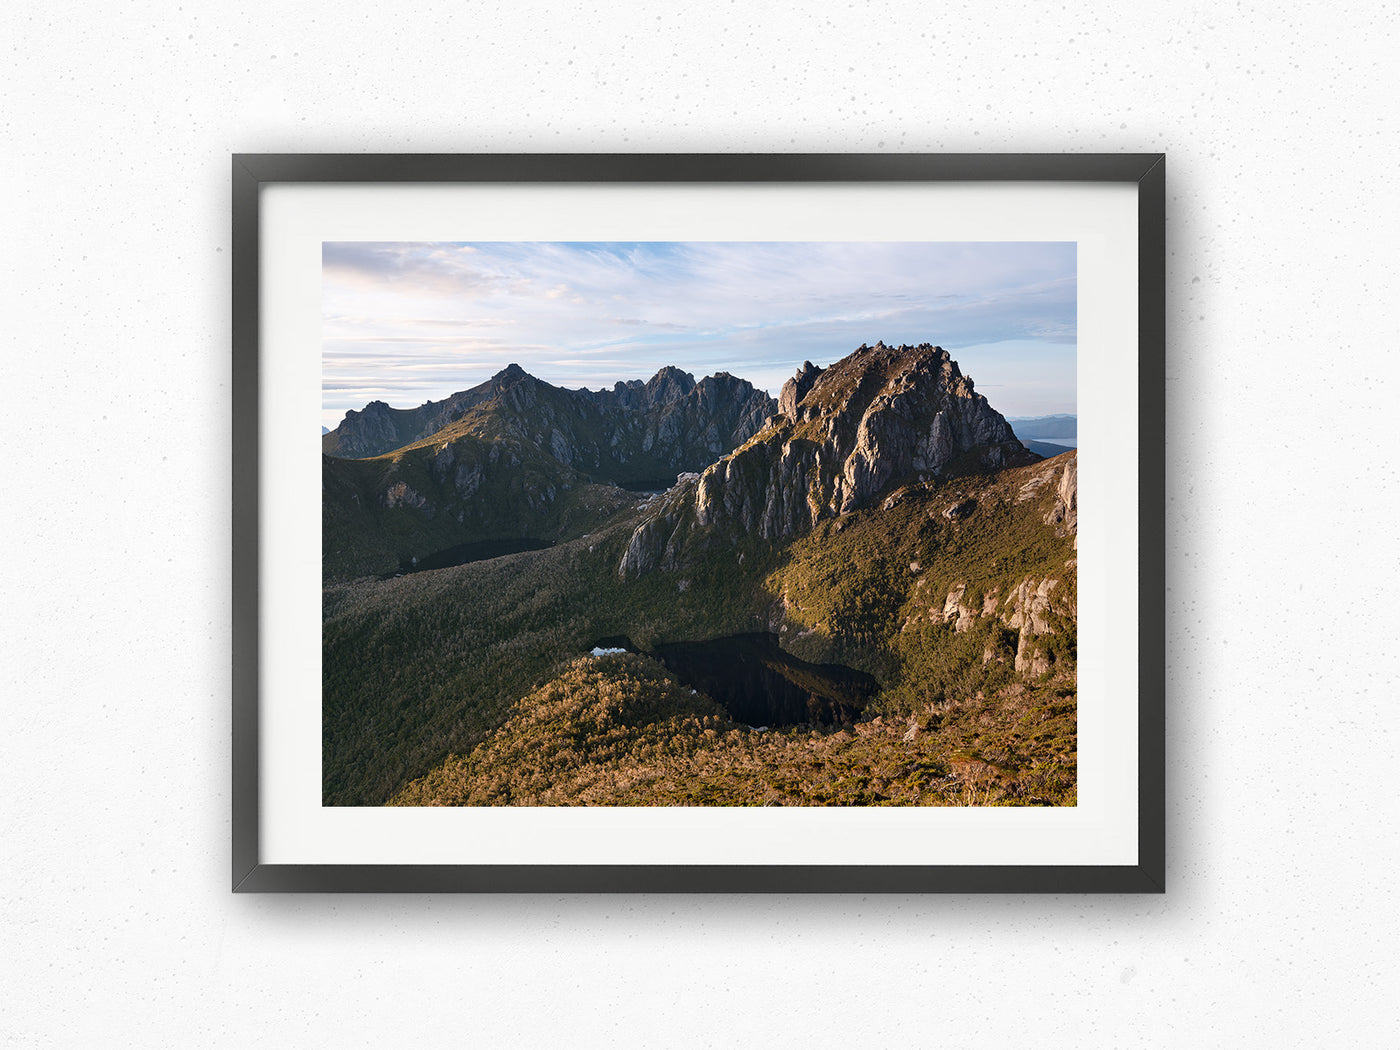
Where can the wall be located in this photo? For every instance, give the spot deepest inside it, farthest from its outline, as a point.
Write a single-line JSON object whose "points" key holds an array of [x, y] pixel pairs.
{"points": [[1280, 923]]}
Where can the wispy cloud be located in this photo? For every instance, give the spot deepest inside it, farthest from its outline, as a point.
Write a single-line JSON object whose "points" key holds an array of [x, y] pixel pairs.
{"points": [[408, 322]]}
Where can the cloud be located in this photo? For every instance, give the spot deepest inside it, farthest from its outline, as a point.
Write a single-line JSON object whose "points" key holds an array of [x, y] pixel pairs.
{"points": [[589, 314]]}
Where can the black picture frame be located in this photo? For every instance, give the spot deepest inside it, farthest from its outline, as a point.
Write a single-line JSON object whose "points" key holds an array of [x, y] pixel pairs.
{"points": [[253, 172]]}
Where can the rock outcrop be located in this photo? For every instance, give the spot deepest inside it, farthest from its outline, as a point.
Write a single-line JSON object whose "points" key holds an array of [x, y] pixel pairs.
{"points": [[1032, 612], [843, 435], [1036, 607], [796, 388], [1065, 514]]}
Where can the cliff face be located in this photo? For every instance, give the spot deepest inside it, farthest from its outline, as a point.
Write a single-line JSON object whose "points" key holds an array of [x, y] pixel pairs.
{"points": [[1036, 605], [843, 435]]}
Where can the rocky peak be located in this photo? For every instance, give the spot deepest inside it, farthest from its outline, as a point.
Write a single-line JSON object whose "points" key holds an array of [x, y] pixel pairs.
{"points": [[669, 384], [510, 376], [515, 389], [795, 389], [720, 389], [373, 429], [844, 434]]}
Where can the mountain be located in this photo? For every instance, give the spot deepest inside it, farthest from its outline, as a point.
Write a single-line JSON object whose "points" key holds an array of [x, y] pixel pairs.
{"points": [[1048, 427], [843, 435], [634, 433], [516, 459], [1045, 448], [871, 599], [378, 428], [325, 431]]}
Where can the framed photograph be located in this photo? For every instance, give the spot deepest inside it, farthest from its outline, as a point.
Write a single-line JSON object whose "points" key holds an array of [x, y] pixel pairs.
{"points": [[698, 523]]}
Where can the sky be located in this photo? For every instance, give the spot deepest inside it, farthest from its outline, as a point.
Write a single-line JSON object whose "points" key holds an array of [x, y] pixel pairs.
{"points": [[407, 323]]}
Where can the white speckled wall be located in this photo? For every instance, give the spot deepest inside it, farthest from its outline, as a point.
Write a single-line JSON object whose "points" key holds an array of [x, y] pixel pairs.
{"points": [[1280, 927]]}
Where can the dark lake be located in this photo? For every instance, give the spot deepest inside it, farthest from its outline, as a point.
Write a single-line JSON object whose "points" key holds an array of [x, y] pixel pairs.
{"points": [[464, 553], [759, 684]]}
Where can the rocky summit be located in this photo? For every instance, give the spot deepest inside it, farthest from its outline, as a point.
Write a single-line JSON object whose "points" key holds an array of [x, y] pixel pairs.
{"points": [[882, 415]]}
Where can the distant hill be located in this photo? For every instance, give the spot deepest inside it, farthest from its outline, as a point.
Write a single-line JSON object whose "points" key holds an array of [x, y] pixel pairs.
{"points": [[325, 430], [1046, 448], [1064, 426]]}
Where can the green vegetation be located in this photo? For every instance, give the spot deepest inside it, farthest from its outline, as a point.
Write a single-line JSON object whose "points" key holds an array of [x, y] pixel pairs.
{"points": [[421, 665], [619, 731], [377, 513], [467, 681], [465, 685]]}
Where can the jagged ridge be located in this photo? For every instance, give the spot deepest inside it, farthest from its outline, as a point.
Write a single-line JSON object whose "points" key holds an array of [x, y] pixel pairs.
{"points": [[668, 424], [518, 457], [843, 434]]}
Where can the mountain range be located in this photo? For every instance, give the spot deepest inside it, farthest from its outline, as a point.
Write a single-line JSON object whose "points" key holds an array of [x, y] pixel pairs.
{"points": [[516, 458], [863, 592], [1048, 427]]}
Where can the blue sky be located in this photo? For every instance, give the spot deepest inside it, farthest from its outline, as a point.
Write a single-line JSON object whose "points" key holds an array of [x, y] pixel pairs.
{"points": [[412, 322]]}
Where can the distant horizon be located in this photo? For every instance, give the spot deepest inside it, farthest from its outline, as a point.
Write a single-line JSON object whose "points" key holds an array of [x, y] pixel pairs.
{"points": [[697, 378], [416, 322]]}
